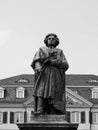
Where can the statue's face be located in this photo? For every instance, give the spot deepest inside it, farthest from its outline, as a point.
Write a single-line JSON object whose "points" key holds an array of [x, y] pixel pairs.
{"points": [[51, 40]]}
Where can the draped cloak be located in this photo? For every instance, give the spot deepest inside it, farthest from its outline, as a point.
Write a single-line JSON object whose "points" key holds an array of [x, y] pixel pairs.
{"points": [[50, 82]]}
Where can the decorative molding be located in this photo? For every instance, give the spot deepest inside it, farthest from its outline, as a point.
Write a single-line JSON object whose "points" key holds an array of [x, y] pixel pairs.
{"points": [[30, 101], [72, 101], [78, 97]]}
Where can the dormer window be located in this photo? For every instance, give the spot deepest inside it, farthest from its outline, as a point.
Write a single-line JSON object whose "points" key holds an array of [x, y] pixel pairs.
{"points": [[93, 81], [22, 81], [94, 92], [1, 92], [20, 92]]}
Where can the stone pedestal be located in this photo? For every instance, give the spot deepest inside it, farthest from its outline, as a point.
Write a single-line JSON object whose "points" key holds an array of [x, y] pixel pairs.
{"points": [[48, 122]]}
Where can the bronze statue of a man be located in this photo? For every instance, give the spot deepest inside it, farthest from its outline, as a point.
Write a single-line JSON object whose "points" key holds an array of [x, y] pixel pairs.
{"points": [[49, 64]]}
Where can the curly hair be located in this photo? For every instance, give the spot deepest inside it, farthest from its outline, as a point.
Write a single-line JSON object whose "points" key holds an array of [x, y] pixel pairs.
{"points": [[56, 39]]}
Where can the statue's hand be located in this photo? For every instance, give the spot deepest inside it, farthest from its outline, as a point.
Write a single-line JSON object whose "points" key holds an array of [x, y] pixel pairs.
{"points": [[53, 54], [52, 57], [38, 70], [47, 62], [53, 61]]}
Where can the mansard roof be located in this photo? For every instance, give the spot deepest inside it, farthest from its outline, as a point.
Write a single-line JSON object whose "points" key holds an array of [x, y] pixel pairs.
{"points": [[85, 92], [71, 80], [82, 84], [81, 80], [10, 95], [19, 79]]}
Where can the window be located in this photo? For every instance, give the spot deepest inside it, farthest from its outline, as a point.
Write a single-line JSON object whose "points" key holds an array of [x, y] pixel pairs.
{"points": [[1, 117], [75, 117], [5, 117], [20, 92], [95, 117], [19, 117], [12, 116], [22, 81], [93, 81], [94, 92], [1, 92]]}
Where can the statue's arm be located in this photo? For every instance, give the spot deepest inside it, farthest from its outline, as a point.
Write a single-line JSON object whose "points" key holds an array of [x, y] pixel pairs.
{"points": [[36, 63]]}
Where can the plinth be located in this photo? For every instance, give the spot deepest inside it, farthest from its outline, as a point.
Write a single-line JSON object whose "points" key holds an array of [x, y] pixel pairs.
{"points": [[48, 122]]}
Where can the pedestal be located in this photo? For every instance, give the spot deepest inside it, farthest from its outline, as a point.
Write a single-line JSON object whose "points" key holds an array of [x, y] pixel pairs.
{"points": [[48, 122]]}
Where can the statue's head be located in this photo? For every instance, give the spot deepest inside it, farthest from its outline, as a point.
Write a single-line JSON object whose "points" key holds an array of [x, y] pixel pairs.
{"points": [[51, 40]]}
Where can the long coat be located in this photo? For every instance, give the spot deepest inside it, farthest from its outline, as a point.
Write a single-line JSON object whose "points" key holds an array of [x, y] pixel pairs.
{"points": [[50, 82]]}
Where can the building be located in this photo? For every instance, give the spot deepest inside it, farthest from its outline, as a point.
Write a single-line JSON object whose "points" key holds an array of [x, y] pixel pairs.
{"points": [[17, 103]]}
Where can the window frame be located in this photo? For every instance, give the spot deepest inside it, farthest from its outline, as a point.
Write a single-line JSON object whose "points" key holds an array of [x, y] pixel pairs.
{"points": [[75, 117], [22, 90], [23, 81], [95, 117], [1, 117], [18, 116], [2, 92], [95, 93]]}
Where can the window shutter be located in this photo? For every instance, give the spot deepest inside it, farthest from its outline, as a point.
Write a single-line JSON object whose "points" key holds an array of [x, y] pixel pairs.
{"points": [[68, 116], [25, 116], [4, 117], [11, 117], [5, 93], [90, 117], [25, 93], [83, 117]]}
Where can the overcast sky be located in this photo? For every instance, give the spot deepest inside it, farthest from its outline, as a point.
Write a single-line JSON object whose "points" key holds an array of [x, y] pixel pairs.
{"points": [[25, 23]]}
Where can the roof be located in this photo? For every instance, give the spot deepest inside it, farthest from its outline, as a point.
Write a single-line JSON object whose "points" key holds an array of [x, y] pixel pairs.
{"points": [[81, 80], [10, 95], [85, 92], [71, 80], [80, 83], [14, 80]]}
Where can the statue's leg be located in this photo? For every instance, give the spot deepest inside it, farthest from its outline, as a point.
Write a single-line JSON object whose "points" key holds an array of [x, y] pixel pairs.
{"points": [[35, 104], [39, 105], [48, 106]]}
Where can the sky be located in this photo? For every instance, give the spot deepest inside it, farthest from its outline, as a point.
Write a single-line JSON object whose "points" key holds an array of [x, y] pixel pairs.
{"points": [[25, 23]]}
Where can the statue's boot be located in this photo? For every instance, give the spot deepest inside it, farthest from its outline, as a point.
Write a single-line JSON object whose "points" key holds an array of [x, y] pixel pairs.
{"points": [[39, 106]]}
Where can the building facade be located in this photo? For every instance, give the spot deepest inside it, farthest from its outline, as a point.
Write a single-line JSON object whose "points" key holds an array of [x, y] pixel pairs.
{"points": [[17, 103]]}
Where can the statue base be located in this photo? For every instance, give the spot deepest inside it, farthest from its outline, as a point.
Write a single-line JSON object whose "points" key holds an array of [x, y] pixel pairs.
{"points": [[48, 122]]}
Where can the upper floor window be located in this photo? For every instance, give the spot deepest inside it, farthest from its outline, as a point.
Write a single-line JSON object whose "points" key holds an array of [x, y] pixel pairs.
{"points": [[95, 95], [19, 117], [94, 92], [1, 92], [20, 92], [75, 117], [93, 81], [22, 81]]}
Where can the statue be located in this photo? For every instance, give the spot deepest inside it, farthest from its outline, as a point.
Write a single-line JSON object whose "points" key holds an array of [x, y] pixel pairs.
{"points": [[49, 64]]}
